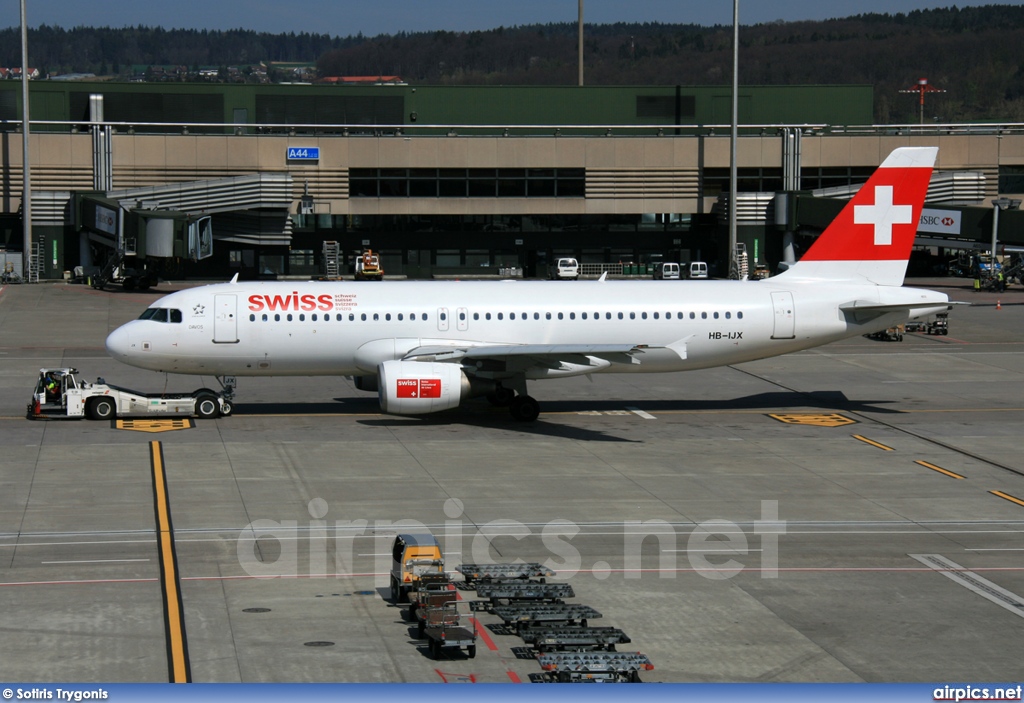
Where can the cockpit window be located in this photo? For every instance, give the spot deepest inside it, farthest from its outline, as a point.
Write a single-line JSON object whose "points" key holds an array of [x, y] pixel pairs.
{"points": [[161, 315]]}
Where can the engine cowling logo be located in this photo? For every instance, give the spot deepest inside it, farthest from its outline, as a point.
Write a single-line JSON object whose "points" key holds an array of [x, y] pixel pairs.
{"points": [[418, 388]]}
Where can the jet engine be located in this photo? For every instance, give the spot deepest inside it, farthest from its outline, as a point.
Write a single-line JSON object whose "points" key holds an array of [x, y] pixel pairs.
{"points": [[419, 387], [366, 383]]}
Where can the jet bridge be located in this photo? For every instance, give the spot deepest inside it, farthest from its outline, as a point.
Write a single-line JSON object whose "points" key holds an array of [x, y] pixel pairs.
{"points": [[137, 241], [141, 229]]}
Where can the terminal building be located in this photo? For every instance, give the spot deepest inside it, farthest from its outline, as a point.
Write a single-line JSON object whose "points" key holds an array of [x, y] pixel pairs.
{"points": [[208, 180]]}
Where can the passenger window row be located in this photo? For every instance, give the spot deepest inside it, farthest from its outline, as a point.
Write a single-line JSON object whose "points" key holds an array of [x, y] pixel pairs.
{"points": [[340, 317], [606, 316], [412, 317]]}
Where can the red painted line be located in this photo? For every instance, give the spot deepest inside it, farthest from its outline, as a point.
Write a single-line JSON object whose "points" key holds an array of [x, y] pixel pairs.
{"points": [[482, 633], [459, 678], [514, 676]]}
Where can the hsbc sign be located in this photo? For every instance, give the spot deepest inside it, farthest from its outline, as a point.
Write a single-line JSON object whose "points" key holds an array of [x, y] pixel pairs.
{"points": [[940, 221]]}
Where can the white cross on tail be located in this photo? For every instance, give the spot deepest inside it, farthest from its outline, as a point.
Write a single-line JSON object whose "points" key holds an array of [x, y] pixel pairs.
{"points": [[883, 215]]}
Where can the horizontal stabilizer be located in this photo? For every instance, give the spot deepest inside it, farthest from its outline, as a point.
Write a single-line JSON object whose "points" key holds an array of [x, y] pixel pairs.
{"points": [[864, 311]]}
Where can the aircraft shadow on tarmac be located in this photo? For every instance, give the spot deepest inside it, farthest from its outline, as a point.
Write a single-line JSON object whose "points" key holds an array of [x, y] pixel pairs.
{"points": [[776, 401], [773, 401], [479, 414], [498, 421]]}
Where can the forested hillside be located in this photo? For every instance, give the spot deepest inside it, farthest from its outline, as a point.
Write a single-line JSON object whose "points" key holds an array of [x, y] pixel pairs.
{"points": [[972, 53]]}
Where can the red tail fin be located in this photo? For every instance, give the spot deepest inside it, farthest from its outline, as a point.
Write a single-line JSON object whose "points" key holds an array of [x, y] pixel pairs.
{"points": [[872, 236]]}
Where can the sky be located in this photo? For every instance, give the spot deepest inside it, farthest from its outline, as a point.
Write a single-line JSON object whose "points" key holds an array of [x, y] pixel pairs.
{"points": [[373, 17]]}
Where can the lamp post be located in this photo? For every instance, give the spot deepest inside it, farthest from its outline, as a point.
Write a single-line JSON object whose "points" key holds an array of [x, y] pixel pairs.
{"points": [[26, 190], [733, 266], [579, 41]]}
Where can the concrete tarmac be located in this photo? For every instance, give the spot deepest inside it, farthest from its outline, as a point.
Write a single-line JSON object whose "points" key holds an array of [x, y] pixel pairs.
{"points": [[850, 513]]}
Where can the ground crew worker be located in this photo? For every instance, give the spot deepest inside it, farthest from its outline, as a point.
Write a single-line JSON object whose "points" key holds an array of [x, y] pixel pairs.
{"points": [[51, 386], [977, 282], [1000, 282]]}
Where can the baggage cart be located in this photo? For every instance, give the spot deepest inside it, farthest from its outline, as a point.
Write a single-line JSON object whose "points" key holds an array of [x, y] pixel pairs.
{"points": [[573, 638], [491, 572], [525, 615], [447, 627]]}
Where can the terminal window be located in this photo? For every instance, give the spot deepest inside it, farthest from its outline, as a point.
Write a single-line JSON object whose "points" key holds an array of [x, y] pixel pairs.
{"points": [[831, 177], [748, 180], [467, 183], [1011, 179]]}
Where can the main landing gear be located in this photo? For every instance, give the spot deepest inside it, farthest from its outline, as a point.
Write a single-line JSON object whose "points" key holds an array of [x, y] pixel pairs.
{"points": [[523, 407]]}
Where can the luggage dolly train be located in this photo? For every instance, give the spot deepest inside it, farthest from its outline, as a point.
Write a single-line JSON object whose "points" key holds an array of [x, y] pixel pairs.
{"points": [[558, 634]]}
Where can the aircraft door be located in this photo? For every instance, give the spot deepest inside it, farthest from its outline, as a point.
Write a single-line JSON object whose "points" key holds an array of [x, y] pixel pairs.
{"points": [[442, 319], [785, 319], [462, 319], [225, 319]]}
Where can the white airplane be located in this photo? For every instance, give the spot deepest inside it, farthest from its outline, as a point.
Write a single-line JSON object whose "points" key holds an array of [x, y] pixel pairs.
{"points": [[426, 346]]}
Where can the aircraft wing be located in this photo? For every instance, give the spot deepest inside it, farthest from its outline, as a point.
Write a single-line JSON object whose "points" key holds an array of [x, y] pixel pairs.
{"points": [[550, 355], [505, 360]]}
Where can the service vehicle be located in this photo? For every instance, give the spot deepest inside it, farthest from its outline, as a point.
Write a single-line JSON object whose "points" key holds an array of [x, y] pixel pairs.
{"points": [[890, 334], [939, 324], [413, 556], [368, 267], [566, 269], [698, 269], [666, 270], [60, 393]]}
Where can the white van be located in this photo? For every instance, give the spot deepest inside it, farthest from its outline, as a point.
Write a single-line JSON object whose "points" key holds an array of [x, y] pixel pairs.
{"points": [[698, 269], [566, 270], [667, 270]]}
